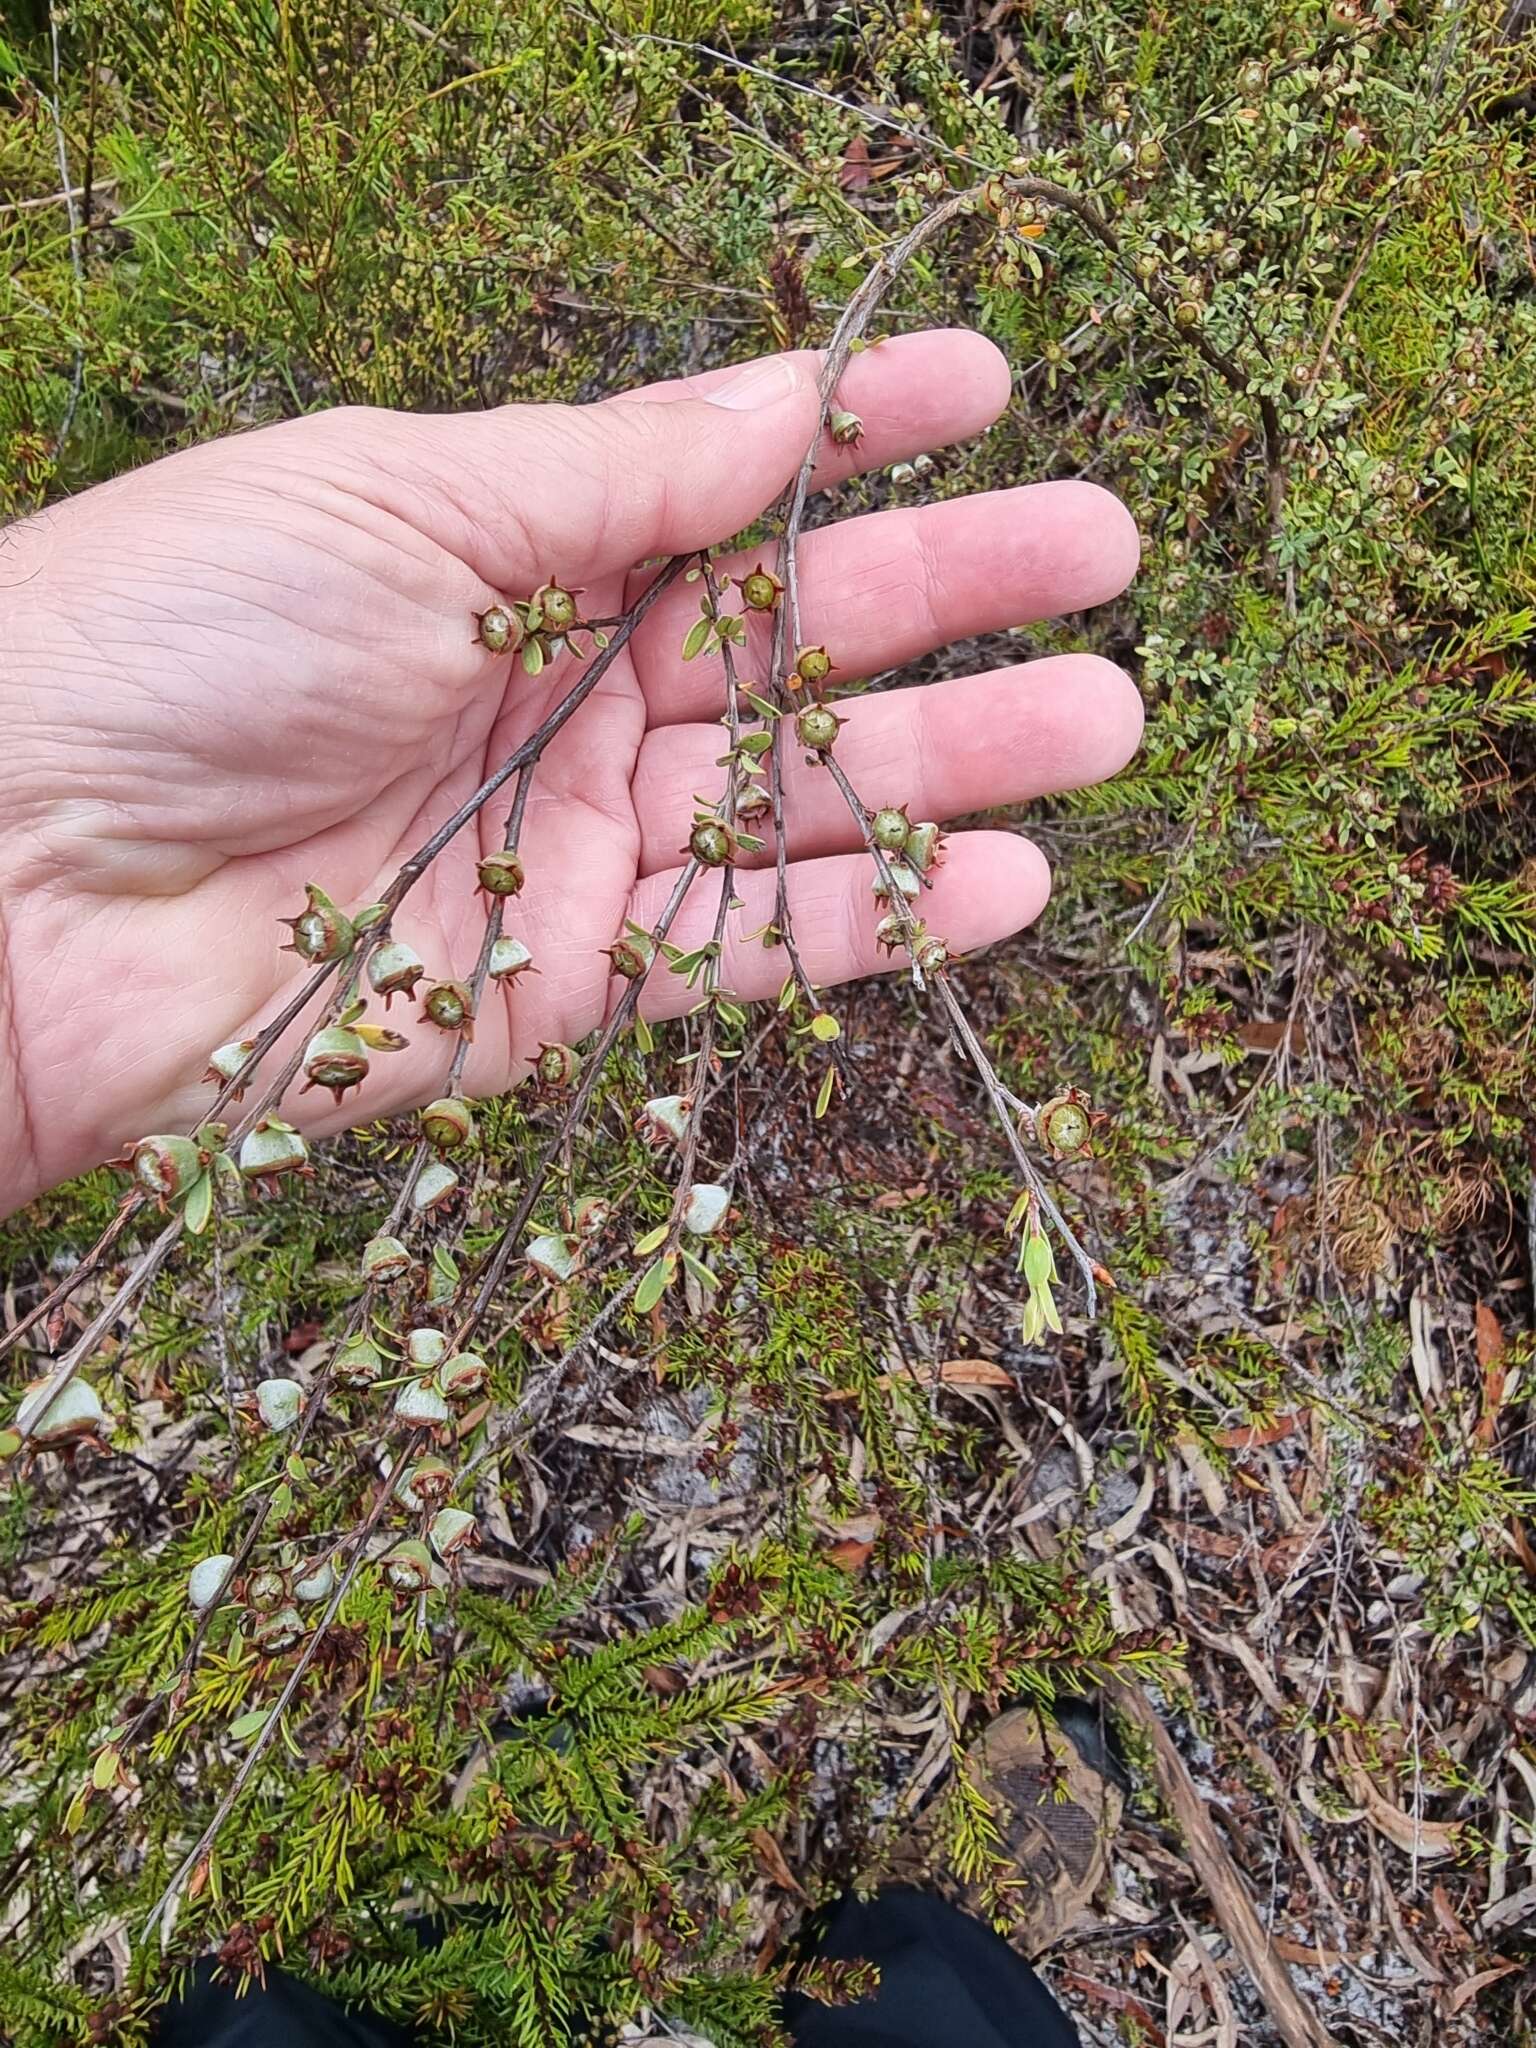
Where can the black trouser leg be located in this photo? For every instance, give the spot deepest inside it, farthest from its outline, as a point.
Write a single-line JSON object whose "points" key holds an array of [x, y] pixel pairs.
{"points": [[946, 1981]]}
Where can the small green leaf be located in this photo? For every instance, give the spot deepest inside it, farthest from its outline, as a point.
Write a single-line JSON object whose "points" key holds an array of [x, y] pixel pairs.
{"points": [[533, 656], [824, 1095], [198, 1208], [445, 1263], [248, 1725], [699, 1270], [697, 638], [367, 918], [10, 1442], [756, 742], [655, 1282], [296, 1468], [788, 993], [762, 707], [282, 1501], [75, 1816], [825, 1027], [644, 1037], [1039, 1266], [652, 1241], [104, 1769]]}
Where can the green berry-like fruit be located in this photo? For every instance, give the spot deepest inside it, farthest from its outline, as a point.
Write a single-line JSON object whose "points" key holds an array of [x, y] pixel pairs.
{"points": [[385, 1258], [165, 1166], [557, 607], [557, 1066], [711, 843], [394, 969], [761, 589], [448, 1123], [335, 1058], [498, 629], [321, 931], [632, 956], [817, 727], [449, 1005], [501, 874], [509, 957], [889, 829]]}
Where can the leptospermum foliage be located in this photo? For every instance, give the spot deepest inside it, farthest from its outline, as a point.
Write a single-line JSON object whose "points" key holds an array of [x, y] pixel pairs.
{"points": [[413, 1356]]}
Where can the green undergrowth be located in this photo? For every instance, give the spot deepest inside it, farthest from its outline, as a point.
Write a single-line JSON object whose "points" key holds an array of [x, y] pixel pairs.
{"points": [[1289, 957]]}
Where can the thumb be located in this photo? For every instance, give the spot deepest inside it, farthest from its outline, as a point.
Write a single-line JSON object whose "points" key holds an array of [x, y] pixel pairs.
{"points": [[581, 491]]}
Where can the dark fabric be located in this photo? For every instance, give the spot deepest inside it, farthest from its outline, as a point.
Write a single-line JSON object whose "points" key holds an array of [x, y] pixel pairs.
{"points": [[946, 1981]]}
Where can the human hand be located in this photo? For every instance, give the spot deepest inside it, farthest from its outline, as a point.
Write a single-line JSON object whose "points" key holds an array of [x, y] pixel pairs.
{"points": [[253, 665]]}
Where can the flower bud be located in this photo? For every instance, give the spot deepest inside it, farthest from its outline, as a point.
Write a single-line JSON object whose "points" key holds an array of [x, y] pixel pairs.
{"points": [[428, 1484], [501, 874], [228, 1062], [553, 1255], [557, 1066], [557, 607], [632, 956], [320, 932], [706, 1207], [266, 1590], [316, 1582], [408, 1567], [498, 629], [817, 727], [509, 957], [420, 1405], [394, 969], [1062, 1125], [452, 1531], [712, 844], [450, 1006], [448, 1122], [357, 1361], [426, 1349], [208, 1579], [813, 665], [462, 1375], [275, 1633], [385, 1259], [166, 1166], [761, 589], [280, 1403], [335, 1058], [846, 428], [889, 828], [924, 843], [663, 1117], [271, 1149], [74, 1412]]}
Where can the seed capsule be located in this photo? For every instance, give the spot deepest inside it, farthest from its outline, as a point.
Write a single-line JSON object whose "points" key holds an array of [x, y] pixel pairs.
{"points": [[498, 629], [931, 953], [711, 843], [74, 1412], [706, 1207], [452, 1531], [266, 1590], [813, 664], [632, 956], [761, 590], [846, 429], [1062, 1125], [275, 1633], [557, 607], [663, 1117], [394, 969], [1187, 314], [320, 932], [906, 881], [817, 727], [554, 1255], [450, 1006], [166, 1166], [317, 1583], [385, 1258], [557, 1066], [426, 1349], [228, 1062], [408, 1567], [509, 957], [337, 1059], [435, 1184], [280, 1403], [501, 874], [462, 1375], [271, 1149], [208, 1579], [357, 1362], [889, 829], [448, 1123], [1149, 157], [419, 1405], [592, 1215], [428, 1484], [923, 845]]}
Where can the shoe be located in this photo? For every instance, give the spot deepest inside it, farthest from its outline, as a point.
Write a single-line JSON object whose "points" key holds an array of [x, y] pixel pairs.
{"points": [[1055, 1794]]}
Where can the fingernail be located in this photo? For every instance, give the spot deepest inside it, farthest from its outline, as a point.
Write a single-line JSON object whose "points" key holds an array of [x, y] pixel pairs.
{"points": [[756, 384]]}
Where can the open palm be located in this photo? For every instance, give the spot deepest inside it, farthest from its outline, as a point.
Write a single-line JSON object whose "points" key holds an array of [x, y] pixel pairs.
{"points": [[254, 665]]}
